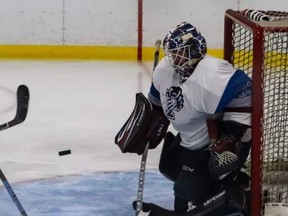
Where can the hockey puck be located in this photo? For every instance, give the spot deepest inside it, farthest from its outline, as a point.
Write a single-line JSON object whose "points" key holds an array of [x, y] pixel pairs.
{"points": [[65, 152]]}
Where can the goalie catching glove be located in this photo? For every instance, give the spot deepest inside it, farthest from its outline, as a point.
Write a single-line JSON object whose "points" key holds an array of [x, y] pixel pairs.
{"points": [[146, 123], [227, 151]]}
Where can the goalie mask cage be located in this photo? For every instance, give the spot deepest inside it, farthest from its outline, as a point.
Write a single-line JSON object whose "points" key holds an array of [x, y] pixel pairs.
{"points": [[260, 49]]}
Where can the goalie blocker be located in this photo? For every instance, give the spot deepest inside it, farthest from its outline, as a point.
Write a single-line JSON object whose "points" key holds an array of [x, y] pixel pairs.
{"points": [[146, 123]]}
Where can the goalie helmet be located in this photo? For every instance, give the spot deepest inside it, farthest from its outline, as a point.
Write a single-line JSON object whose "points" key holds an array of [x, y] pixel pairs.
{"points": [[185, 47]]}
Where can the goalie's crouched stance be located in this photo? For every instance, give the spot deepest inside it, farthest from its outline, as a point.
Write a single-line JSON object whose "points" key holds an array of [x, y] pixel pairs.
{"points": [[208, 180]]}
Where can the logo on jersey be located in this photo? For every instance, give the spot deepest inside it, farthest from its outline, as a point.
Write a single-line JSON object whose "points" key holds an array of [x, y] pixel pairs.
{"points": [[246, 90], [174, 101]]}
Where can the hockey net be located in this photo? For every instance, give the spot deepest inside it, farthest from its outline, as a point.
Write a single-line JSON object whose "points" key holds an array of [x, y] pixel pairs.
{"points": [[260, 48]]}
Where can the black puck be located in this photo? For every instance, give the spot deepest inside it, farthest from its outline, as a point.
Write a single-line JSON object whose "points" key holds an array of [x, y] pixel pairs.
{"points": [[65, 152]]}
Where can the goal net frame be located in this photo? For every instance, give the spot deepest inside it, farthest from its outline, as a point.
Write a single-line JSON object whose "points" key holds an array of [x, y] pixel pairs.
{"points": [[250, 46]]}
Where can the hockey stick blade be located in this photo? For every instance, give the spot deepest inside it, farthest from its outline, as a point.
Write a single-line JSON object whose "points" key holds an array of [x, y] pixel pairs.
{"points": [[22, 107]]}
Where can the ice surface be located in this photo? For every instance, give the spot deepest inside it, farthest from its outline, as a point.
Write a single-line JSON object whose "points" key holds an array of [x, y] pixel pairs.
{"points": [[73, 105], [99, 194]]}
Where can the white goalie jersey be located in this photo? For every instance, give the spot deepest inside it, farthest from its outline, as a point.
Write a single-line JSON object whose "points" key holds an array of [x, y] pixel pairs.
{"points": [[214, 86]]}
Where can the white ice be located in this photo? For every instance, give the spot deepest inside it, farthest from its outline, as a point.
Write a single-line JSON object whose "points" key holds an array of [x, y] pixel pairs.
{"points": [[76, 105]]}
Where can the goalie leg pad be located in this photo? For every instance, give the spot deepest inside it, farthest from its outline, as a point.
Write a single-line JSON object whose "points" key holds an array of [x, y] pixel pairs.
{"points": [[224, 200]]}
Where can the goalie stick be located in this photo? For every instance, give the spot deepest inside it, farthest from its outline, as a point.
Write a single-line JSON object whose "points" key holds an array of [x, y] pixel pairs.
{"points": [[12, 194], [22, 108], [139, 200], [156, 54]]}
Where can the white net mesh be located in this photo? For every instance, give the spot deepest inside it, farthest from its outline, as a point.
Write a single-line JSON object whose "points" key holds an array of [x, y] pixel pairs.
{"points": [[274, 122]]}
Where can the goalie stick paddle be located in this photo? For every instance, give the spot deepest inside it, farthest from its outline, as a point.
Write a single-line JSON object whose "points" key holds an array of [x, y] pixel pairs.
{"points": [[139, 200], [12, 194], [22, 108]]}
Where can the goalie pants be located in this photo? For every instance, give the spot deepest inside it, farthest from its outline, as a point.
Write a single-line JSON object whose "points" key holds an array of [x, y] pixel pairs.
{"points": [[194, 181], [190, 172], [188, 169]]}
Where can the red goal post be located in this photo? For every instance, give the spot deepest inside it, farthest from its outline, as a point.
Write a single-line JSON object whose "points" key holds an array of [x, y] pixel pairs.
{"points": [[260, 48]]}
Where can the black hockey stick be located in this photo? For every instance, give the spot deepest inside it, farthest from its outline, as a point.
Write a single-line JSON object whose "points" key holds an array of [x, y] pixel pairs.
{"points": [[12, 194], [22, 107], [139, 200]]}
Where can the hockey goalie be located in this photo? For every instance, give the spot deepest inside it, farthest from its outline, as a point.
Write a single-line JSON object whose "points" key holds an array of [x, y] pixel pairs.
{"points": [[208, 103]]}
